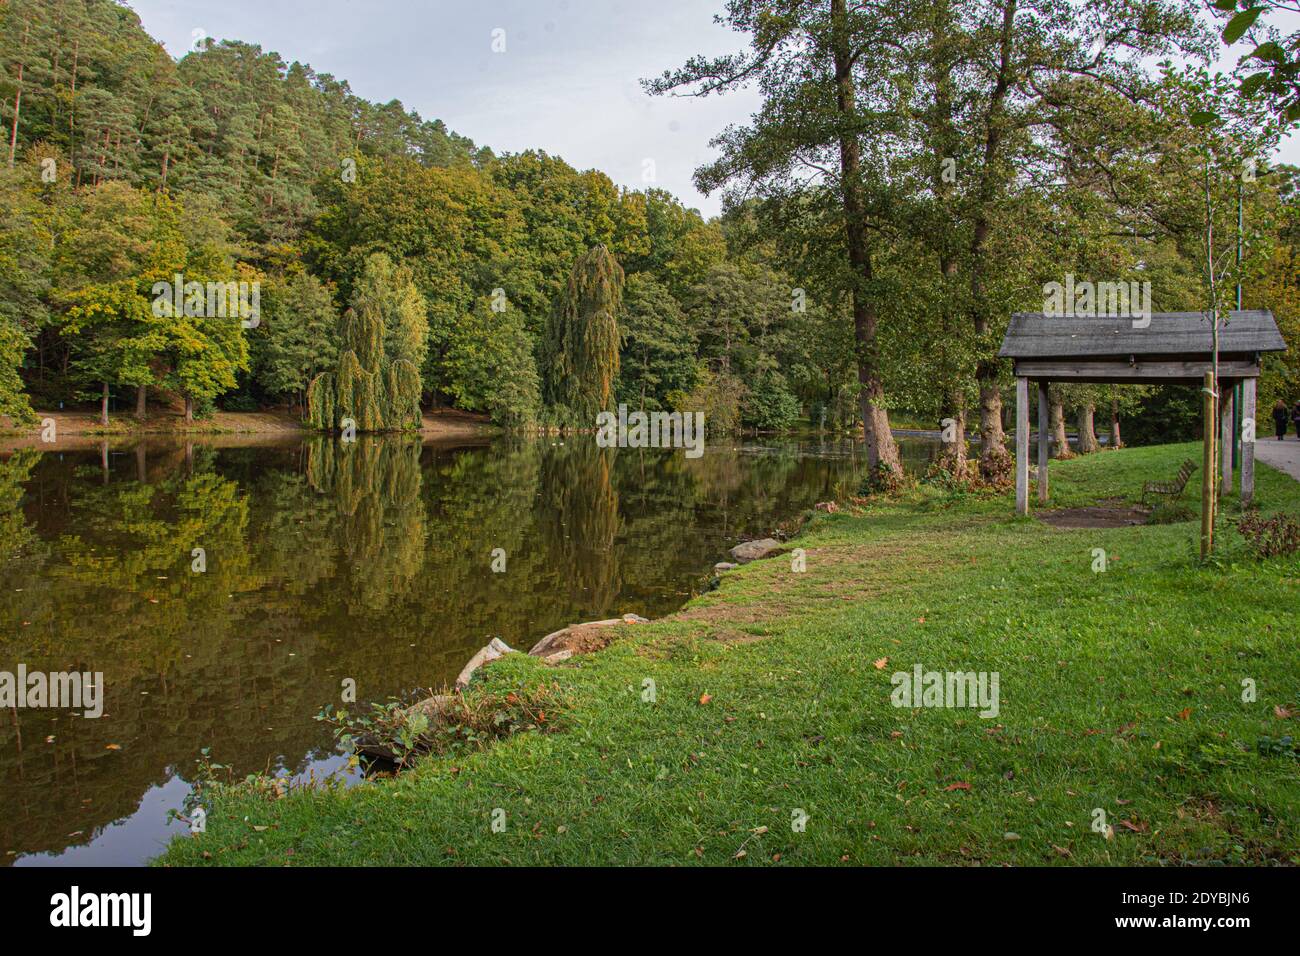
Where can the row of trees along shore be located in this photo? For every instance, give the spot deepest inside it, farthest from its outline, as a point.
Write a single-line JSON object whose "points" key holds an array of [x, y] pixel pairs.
{"points": [[916, 172]]}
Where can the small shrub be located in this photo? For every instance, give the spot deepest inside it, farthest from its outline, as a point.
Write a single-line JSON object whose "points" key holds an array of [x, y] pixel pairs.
{"points": [[1270, 537], [471, 723], [881, 480], [1171, 512]]}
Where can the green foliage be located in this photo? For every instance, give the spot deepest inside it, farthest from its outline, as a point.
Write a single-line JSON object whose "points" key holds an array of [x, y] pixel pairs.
{"points": [[490, 367], [297, 335], [658, 352], [365, 386], [719, 395], [770, 406], [580, 354]]}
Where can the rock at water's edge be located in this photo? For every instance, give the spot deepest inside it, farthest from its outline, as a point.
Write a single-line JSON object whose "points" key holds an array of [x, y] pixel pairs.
{"points": [[755, 550]]}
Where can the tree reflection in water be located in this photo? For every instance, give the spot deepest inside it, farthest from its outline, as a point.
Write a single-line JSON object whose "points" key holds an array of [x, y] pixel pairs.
{"points": [[324, 561]]}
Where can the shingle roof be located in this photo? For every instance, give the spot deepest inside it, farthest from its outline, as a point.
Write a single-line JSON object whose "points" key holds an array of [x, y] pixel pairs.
{"points": [[1036, 335]]}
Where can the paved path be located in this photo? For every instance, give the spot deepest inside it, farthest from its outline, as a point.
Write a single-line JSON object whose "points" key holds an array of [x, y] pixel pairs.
{"points": [[1283, 455]]}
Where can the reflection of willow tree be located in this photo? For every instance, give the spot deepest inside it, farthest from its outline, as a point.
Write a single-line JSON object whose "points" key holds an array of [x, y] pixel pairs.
{"points": [[15, 533], [296, 533], [580, 515], [375, 484]]}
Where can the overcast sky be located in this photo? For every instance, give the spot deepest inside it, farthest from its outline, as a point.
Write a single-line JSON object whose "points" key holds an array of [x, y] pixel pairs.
{"points": [[568, 81]]}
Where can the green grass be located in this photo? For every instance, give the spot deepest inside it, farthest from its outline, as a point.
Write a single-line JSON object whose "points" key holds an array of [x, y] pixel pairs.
{"points": [[1120, 691]]}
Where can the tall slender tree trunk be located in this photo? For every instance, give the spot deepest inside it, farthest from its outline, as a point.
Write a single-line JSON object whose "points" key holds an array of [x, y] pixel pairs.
{"points": [[18, 100], [1116, 441], [995, 462], [1087, 433], [141, 398], [189, 410], [882, 452], [103, 406]]}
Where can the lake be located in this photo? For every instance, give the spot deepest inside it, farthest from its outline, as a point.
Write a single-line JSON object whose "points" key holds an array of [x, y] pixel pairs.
{"points": [[226, 591]]}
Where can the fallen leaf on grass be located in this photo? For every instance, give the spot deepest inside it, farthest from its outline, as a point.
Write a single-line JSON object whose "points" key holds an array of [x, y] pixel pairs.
{"points": [[960, 785], [1282, 713], [704, 699], [1062, 851], [1185, 713], [881, 663]]}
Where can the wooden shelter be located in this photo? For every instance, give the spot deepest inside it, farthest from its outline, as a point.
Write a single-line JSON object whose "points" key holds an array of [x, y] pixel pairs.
{"points": [[1173, 347]]}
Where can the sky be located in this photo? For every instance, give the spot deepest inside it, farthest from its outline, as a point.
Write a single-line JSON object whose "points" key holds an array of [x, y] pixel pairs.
{"points": [[567, 82]]}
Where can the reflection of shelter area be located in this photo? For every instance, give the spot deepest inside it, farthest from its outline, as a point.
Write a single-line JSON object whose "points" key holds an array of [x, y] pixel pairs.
{"points": [[1170, 348]]}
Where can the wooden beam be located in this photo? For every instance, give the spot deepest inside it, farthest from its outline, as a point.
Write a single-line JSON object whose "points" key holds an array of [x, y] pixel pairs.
{"points": [[1022, 446], [1082, 369], [1247, 441], [1044, 440]]}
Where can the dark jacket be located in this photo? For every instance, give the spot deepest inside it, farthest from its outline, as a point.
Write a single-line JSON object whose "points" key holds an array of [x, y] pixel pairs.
{"points": [[1280, 417]]}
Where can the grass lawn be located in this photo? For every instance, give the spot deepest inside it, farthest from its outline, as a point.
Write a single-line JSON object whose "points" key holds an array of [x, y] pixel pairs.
{"points": [[1119, 691]]}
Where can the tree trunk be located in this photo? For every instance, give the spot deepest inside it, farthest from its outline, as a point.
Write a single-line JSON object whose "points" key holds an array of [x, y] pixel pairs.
{"points": [[18, 100], [881, 450], [952, 456], [189, 410], [1087, 436], [103, 406], [995, 462], [141, 397], [1059, 438], [1116, 441]]}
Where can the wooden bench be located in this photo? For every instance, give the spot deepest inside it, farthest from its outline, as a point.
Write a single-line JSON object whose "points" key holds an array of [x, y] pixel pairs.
{"points": [[1172, 489]]}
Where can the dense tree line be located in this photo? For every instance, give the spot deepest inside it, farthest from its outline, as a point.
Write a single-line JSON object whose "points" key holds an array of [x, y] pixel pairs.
{"points": [[127, 168], [916, 173]]}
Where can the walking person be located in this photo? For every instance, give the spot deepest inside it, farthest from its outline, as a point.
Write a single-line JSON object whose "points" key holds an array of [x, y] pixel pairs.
{"points": [[1280, 416]]}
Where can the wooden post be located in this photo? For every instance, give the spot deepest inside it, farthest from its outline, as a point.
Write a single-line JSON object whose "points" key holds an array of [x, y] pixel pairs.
{"points": [[1227, 439], [1248, 427], [1044, 440], [1022, 445], [1208, 430]]}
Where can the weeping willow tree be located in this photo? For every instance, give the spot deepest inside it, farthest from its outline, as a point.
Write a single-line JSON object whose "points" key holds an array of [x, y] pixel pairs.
{"points": [[378, 394], [580, 356]]}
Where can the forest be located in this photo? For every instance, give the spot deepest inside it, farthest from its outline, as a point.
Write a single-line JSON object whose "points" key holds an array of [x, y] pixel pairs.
{"points": [[916, 173]]}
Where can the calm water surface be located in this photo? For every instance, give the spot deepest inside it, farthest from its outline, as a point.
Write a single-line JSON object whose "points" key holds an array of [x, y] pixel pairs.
{"points": [[323, 562]]}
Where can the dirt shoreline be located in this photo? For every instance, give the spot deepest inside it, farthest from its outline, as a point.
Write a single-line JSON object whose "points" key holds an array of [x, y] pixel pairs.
{"points": [[82, 429]]}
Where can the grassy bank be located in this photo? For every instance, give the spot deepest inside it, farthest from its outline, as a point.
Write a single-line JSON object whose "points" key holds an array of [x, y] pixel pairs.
{"points": [[1119, 691]]}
